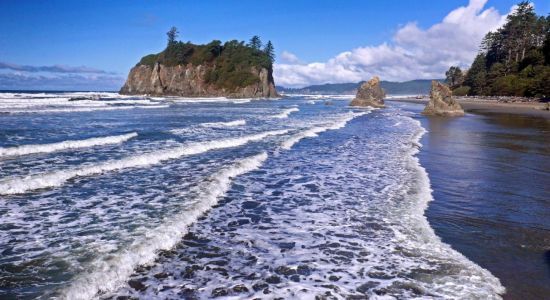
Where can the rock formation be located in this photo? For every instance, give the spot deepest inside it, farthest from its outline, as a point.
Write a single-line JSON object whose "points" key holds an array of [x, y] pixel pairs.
{"points": [[191, 81], [370, 94], [442, 102]]}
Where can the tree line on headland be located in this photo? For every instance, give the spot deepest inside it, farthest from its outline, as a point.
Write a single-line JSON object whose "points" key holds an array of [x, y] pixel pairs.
{"points": [[230, 62], [512, 61]]}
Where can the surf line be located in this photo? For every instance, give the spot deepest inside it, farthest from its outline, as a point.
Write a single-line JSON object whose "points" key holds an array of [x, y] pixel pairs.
{"points": [[45, 180], [110, 272], [64, 145]]}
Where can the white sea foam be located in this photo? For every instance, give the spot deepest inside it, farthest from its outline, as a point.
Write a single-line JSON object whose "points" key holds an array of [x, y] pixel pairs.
{"points": [[71, 144], [58, 178], [108, 273], [285, 113], [81, 109], [313, 132], [476, 280], [224, 124]]}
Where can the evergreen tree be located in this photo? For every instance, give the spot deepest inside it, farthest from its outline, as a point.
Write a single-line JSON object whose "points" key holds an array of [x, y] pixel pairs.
{"points": [[454, 76], [172, 35], [269, 50], [476, 76], [513, 60], [255, 42], [546, 49]]}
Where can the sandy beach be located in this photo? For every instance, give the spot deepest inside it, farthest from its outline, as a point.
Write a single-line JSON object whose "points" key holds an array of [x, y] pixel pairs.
{"points": [[476, 105]]}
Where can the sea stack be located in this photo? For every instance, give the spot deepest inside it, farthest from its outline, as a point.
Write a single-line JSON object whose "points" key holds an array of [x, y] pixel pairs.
{"points": [[442, 102], [189, 80], [370, 94]]}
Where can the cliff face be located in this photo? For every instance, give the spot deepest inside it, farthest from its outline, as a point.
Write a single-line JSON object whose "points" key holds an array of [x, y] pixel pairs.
{"points": [[442, 102], [370, 94], [190, 81]]}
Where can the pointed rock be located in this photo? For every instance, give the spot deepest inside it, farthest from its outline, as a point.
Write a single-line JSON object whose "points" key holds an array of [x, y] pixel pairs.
{"points": [[442, 102], [370, 94]]}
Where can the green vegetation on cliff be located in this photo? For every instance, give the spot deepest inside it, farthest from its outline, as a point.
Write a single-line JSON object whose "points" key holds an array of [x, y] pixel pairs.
{"points": [[513, 61], [232, 64]]}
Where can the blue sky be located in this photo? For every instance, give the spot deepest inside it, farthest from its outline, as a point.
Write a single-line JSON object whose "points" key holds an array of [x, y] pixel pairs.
{"points": [[111, 36]]}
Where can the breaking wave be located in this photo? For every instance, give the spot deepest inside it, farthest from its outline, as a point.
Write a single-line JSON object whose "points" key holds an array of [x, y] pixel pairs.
{"points": [[47, 148], [224, 124], [109, 273], [80, 109], [285, 113], [313, 132], [58, 178]]}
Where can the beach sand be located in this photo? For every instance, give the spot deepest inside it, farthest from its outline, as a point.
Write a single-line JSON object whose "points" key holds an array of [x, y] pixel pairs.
{"points": [[473, 105]]}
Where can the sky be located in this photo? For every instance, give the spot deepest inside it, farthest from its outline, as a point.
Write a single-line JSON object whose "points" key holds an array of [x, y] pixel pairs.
{"points": [[91, 45]]}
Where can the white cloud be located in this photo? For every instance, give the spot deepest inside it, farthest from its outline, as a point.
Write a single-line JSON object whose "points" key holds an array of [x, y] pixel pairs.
{"points": [[289, 58], [414, 52]]}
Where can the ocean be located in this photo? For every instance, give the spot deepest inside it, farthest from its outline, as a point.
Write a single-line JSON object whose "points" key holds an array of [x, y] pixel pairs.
{"points": [[120, 197]]}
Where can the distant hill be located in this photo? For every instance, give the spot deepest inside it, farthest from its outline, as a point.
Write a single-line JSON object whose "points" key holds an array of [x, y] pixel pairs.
{"points": [[413, 87]]}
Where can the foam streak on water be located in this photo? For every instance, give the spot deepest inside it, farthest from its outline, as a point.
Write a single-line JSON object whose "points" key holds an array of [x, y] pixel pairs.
{"points": [[224, 124], [108, 273], [314, 131], [39, 181], [285, 113], [47, 148]]}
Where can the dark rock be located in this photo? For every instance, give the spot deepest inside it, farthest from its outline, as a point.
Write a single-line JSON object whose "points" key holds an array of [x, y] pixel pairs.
{"points": [[295, 278], [161, 275], [303, 270], [240, 288], [219, 292], [137, 285], [334, 278], [274, 279], [260, 286], [284, 270]]}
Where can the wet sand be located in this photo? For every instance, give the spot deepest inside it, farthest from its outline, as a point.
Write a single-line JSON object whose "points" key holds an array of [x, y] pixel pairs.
{"points": [[490, 175], [486, 106]]}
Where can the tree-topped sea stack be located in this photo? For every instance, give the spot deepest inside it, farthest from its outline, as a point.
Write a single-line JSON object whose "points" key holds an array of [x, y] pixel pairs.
{"points": [[233, 69], [442, 102], [370, 94]]}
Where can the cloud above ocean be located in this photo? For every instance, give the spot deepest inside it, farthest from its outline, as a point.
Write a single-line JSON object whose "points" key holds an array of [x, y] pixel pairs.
{"points": [[57, 77], [413, 53]]}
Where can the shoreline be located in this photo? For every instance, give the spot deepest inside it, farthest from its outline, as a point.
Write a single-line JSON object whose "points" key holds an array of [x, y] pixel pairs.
{"points": [[532, 109], [499, 213]]}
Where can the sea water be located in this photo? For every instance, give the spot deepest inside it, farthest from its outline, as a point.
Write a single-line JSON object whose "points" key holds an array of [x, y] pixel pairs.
{"points": [[166, 198]]}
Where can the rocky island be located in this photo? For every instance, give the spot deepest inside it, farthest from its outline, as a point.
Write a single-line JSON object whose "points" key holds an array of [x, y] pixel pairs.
{"points": [[370, 94], [232, 69], [442, 102]]}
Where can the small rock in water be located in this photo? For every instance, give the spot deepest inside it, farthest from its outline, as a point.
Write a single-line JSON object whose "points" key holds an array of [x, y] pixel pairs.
{"points": [[240, 288], [219, 292], [137, 285], [260, 286], [364, 288], [284, 270], [303, 270], [274, 279], [161, 275]]}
